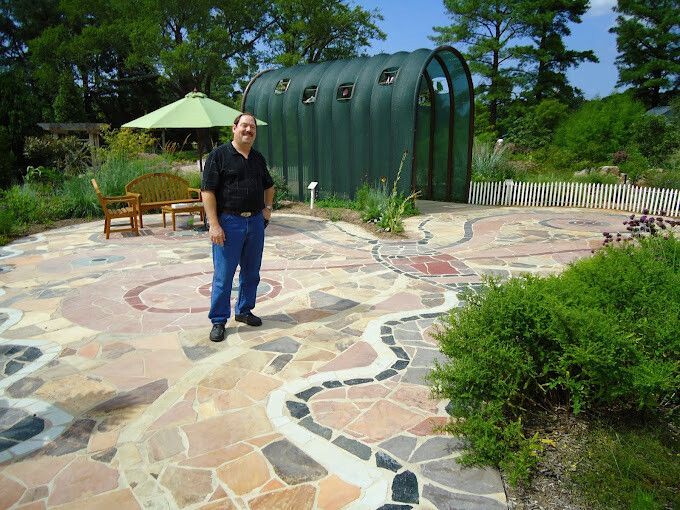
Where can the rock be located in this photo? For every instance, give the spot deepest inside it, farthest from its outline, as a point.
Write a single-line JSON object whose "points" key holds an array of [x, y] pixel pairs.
{"points": [[609, 170]]}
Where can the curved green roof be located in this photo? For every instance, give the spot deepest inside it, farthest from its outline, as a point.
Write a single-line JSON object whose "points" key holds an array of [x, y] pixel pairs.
{"points": [[362, 116]]}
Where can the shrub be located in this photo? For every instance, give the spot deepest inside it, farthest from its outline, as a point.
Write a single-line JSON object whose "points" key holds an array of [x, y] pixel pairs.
{"points": [[68, 154], [600, 128], [282, 192], [127, 142], [44, 175], [535, 126], [656, 138], [371, 201], [602, 334]]}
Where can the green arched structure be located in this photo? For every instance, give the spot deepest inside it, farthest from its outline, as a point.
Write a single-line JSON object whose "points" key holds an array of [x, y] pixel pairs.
{"points": [[347, 122]]}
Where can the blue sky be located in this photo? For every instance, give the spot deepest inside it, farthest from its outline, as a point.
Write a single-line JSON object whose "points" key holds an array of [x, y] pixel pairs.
{"points": [[408, 24]]}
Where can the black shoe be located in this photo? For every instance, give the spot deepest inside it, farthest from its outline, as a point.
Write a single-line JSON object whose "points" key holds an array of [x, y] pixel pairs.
{"points": [[217, 333], [248, 318]]}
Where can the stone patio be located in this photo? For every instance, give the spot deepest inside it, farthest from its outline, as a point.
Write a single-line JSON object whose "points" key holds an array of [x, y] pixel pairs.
{"points": [[111, 395]]}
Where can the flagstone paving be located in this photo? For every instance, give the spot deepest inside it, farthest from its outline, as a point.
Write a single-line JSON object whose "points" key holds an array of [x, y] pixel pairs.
{"points": [[111, 395]]}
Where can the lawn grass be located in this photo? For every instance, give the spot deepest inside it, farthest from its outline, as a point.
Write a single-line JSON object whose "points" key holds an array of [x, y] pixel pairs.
{"points": [[629, 466]]}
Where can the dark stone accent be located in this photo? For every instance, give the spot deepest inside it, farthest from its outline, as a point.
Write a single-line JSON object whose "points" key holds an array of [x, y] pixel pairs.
{"points": [[400, 365], [391, 323], [309, 393], [389, 340], [446, 500], [196, 352], [354, 382], [13, 367], [73, 439], [291, 464], [385, 374], [449, 407], [105, 456], [385, 330], [297, 409], [411, 318], [400, 353], [283, 345], [24, 387], [280, 362], [324, 301], [143, 395], [319, 430], [382, 460], [354, 447], [405, 487], [392, 506], [430, 315], [30, 354], [6, 444], [10, 350], [332, 384], [24, 429]]}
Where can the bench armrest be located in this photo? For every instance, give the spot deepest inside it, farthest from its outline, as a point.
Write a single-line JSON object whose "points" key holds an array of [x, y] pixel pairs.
{"points": [[195, 190]]}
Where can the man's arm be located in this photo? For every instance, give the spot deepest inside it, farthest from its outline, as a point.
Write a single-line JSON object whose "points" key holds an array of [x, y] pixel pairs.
{"points": [[210, 206], [268, 202]]}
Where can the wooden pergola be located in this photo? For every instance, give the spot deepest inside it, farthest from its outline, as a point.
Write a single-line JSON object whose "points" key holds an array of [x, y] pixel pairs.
{"points": [[66, 128]]}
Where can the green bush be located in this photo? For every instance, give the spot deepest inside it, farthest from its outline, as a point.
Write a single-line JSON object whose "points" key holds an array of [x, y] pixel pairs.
{"points": [[371, 201], [602, 334], [127, 143], [535, 126], [68, 154], [656, 138], [600, 128], [282, 192]]}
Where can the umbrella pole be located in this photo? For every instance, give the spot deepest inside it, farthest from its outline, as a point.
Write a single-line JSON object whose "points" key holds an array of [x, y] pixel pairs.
{"points": [[200, 151]]}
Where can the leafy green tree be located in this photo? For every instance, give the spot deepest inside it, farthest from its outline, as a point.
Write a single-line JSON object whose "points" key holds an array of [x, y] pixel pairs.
{"points": [[648, 41], [548, 59], [309, 31], [488, 28], [68, 105], [195, 44]]}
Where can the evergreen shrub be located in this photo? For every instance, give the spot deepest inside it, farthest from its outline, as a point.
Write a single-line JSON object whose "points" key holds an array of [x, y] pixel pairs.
{"points": [[602, 335]]}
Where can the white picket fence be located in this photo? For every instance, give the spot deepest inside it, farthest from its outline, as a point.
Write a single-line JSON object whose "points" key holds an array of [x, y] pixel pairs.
{"points": [[623, 197]]}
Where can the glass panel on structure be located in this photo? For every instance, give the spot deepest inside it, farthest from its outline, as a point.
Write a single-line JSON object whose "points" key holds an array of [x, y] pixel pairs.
{"points": [[309, 94], [388, 76], [345, 91], [282, 86]]}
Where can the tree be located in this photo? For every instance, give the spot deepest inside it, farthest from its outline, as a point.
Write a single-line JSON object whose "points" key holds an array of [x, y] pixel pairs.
{"points": [[547, 60], [648, 41], [309, 31], [487, 27], [193, 44]]}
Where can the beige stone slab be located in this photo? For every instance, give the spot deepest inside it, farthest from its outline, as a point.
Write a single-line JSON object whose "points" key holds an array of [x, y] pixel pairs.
{"points": [[116, 500], [102, 440]]}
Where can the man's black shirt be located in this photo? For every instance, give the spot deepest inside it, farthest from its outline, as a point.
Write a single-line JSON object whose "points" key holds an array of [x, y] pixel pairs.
{"points": [[238, 183]]}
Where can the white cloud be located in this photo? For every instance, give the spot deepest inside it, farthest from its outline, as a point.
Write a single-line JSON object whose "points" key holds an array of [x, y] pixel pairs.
{"points": [[600, 7]]}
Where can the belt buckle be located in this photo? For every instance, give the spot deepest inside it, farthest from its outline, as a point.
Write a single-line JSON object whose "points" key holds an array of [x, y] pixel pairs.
{"points": [[246, 214]]}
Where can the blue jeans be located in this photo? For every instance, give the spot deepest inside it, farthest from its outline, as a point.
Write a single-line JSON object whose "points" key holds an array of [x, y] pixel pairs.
{"points": [[242, 247]]}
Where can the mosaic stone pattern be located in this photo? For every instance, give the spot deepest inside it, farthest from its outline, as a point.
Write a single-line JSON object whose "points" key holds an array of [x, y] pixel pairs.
{"points": [[122, 402]]}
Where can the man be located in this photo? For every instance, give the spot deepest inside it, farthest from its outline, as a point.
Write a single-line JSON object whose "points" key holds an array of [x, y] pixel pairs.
{"points": [[238, 195]]}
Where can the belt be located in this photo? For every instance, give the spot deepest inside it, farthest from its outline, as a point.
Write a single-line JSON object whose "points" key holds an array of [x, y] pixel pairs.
{"points": [[244, 214]]}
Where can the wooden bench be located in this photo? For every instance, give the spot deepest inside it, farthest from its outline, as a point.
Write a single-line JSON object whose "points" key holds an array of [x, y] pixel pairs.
{"points": [[159, 189]]}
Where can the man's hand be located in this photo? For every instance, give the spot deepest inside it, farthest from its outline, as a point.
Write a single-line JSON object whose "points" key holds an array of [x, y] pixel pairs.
{"points": [[217, 234], [267, 214]]}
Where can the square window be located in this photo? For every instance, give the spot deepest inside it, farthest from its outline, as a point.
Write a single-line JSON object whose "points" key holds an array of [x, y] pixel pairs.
{"points": [[282, 86], [345, 92]]}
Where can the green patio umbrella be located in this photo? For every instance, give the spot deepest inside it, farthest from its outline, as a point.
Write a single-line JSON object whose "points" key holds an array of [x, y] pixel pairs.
{"points": [[196, 111]]}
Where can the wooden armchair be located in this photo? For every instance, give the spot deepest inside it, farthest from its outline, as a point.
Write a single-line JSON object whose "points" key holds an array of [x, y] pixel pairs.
{"points": [[125, 206]]}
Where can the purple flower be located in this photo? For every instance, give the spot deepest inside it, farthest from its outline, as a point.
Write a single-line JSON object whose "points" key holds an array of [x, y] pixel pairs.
{"points": [[632, 216], [645, 211]]}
